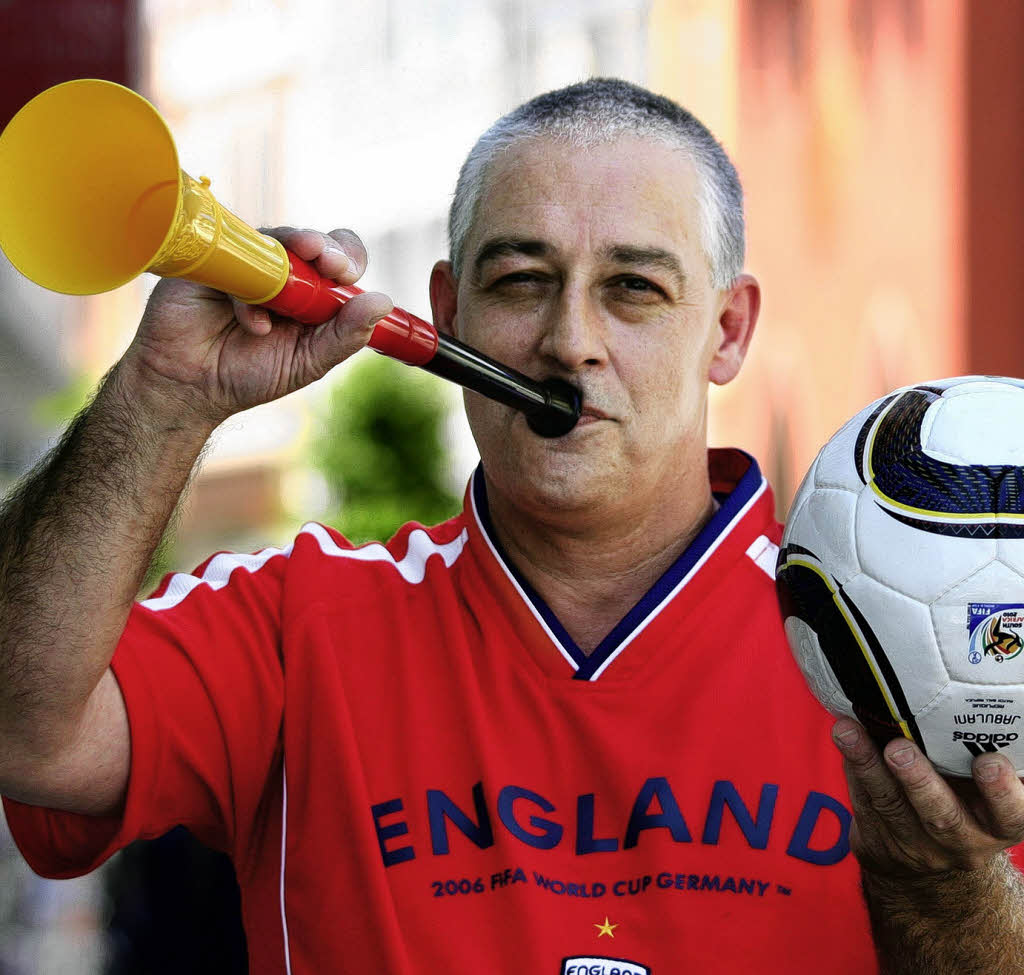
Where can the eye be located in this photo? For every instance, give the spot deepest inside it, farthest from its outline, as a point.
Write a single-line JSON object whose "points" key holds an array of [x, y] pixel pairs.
{"points": [[636, 287], [516, 277], [518, 282]]}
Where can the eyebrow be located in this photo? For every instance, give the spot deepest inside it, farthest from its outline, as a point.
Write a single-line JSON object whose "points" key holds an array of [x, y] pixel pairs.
{"points": [[503, 246], [629, 254], [656, 257]]}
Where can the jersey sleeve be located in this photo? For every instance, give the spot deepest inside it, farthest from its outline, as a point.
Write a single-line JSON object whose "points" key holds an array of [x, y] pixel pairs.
{"points": [[199, 666]]}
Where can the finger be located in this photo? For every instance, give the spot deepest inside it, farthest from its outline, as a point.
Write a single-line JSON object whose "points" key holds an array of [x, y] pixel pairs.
{"points": [[362, 312], [1003, 796], [873, 788], [941, 813], [339, 255], [348, 331], [307, 244], [335, 263], [353, 249], [252, 318]]}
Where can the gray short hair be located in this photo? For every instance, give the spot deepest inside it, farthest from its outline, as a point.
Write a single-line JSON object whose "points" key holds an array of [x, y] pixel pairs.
{"points": [[600, 110]]}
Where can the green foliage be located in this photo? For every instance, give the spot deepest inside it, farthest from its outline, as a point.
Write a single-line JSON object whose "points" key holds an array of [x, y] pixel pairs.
{"points": [[382, 450], [60, 407], [162, 562]]}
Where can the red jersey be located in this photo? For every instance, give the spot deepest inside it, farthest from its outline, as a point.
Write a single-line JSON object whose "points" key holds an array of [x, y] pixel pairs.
{"points": [[415, 770]]}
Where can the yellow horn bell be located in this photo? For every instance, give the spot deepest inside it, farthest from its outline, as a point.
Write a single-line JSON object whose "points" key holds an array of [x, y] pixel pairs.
{"points": [[91, 195]]}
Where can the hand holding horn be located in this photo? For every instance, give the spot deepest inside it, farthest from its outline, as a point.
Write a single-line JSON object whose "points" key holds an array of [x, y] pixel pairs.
{"points": [[91, 195]]}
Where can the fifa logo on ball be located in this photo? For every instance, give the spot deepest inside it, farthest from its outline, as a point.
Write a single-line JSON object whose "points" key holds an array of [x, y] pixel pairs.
{"points": [[995, 632]]}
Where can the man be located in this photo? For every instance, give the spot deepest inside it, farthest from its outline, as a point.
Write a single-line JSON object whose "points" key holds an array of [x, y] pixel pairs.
{"points": [[560, 733]]}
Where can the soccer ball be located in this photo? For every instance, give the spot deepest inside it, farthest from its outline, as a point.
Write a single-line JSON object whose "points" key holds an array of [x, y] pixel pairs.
{"points": [[901, 572]]}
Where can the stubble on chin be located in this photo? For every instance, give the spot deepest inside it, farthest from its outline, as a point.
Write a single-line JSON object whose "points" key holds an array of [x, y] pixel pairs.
{"points": [[550, 481], [545, 475]]}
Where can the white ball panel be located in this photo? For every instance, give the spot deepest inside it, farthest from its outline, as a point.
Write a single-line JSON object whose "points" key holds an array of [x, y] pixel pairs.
{"points": [[961, 385], [918, 563], [803, 641], [996, 583], [1010, 551], [903, 627], [953, 385], [836, 464], [965, 717], [978, 422], [823, 523]]}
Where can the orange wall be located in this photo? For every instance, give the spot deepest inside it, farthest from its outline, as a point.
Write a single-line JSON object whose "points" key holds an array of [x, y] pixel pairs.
{"points": [[993, 145], [847, 127]]}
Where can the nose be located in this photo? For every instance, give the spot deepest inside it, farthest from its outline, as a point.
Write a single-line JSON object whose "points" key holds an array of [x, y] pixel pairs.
{"points": [[574, 335]]}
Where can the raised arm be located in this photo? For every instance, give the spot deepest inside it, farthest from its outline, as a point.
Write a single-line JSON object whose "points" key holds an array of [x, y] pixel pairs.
{"points": [[77, 536]]}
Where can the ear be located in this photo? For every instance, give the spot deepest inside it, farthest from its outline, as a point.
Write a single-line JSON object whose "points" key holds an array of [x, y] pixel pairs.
{"points": [[444, 297], [740, 308]]}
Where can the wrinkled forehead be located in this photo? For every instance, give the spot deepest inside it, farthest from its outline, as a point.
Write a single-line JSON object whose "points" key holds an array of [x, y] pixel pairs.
{"points": [[629, 188]]}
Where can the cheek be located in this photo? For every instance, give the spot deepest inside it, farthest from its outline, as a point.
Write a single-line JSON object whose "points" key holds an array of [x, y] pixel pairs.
{"points": [[672, 396], [489, 421], [502, 332]]}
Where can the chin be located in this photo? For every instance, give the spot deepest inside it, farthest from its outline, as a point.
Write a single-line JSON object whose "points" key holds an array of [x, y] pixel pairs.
{"points": [[557, 481], [559, 474]]}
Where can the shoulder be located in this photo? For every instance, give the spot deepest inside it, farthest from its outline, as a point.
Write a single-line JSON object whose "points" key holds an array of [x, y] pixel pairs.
{"points": [[406, 553], [315, 558]]}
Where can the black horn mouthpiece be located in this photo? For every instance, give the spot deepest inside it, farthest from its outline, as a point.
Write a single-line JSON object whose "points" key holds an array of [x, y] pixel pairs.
{"points": [[552, 407]]}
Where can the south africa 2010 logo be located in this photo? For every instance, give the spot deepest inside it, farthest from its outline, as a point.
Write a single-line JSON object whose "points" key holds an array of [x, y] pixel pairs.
{"points": [[996, 631]]}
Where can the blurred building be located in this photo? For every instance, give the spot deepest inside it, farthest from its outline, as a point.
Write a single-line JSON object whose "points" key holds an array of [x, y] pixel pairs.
{"points": [[42, 43], [48, 927], [879, 146]]}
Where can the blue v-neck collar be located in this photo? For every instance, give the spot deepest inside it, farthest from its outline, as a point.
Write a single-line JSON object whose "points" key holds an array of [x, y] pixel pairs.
{"points": [[733, 506]]}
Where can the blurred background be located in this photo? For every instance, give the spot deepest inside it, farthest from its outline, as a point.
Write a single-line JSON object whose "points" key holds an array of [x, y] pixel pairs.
{"points": [[879, 143]]}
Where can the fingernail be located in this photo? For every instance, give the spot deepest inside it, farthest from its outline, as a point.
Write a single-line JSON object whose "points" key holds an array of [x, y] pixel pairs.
{"points": [[848, 738], [987, 771], [902, 757], [353, 268]]}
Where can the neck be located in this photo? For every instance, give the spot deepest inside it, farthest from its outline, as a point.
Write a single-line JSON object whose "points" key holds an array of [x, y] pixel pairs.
{"points": [[592, 567]]}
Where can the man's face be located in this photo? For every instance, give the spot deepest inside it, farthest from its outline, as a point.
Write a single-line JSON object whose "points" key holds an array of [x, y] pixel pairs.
{"points": [[587, 265]]}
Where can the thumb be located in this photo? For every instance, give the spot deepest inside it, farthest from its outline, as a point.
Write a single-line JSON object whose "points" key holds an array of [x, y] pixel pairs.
{"points": [[349, 330]]}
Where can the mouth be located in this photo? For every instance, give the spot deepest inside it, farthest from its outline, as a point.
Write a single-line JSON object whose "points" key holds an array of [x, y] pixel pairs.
{"points": [[561, 410], [590, 414], [566, 409]]}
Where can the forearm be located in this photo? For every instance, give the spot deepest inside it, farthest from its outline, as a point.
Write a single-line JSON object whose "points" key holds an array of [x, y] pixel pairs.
{"points": [[75, 540], [965, 922]]}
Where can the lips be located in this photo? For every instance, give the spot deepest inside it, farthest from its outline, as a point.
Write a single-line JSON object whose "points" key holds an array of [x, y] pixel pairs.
{"points": [[593, 413], [589, 412]]}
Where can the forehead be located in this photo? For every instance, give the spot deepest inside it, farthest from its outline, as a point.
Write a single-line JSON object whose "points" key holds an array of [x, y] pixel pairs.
{"points": [[631, 190]]}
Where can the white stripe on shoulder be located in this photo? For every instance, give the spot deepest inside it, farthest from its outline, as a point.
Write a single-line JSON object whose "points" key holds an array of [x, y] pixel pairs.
{"points": [[215, 575], [764, 552], [412, 567]]}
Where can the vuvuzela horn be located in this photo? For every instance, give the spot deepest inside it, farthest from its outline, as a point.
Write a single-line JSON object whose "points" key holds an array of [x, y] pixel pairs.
{"points": [[91, 195]]}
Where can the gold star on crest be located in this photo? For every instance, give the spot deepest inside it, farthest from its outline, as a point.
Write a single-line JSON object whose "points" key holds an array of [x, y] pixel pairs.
{"points": [[606, 928]]}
